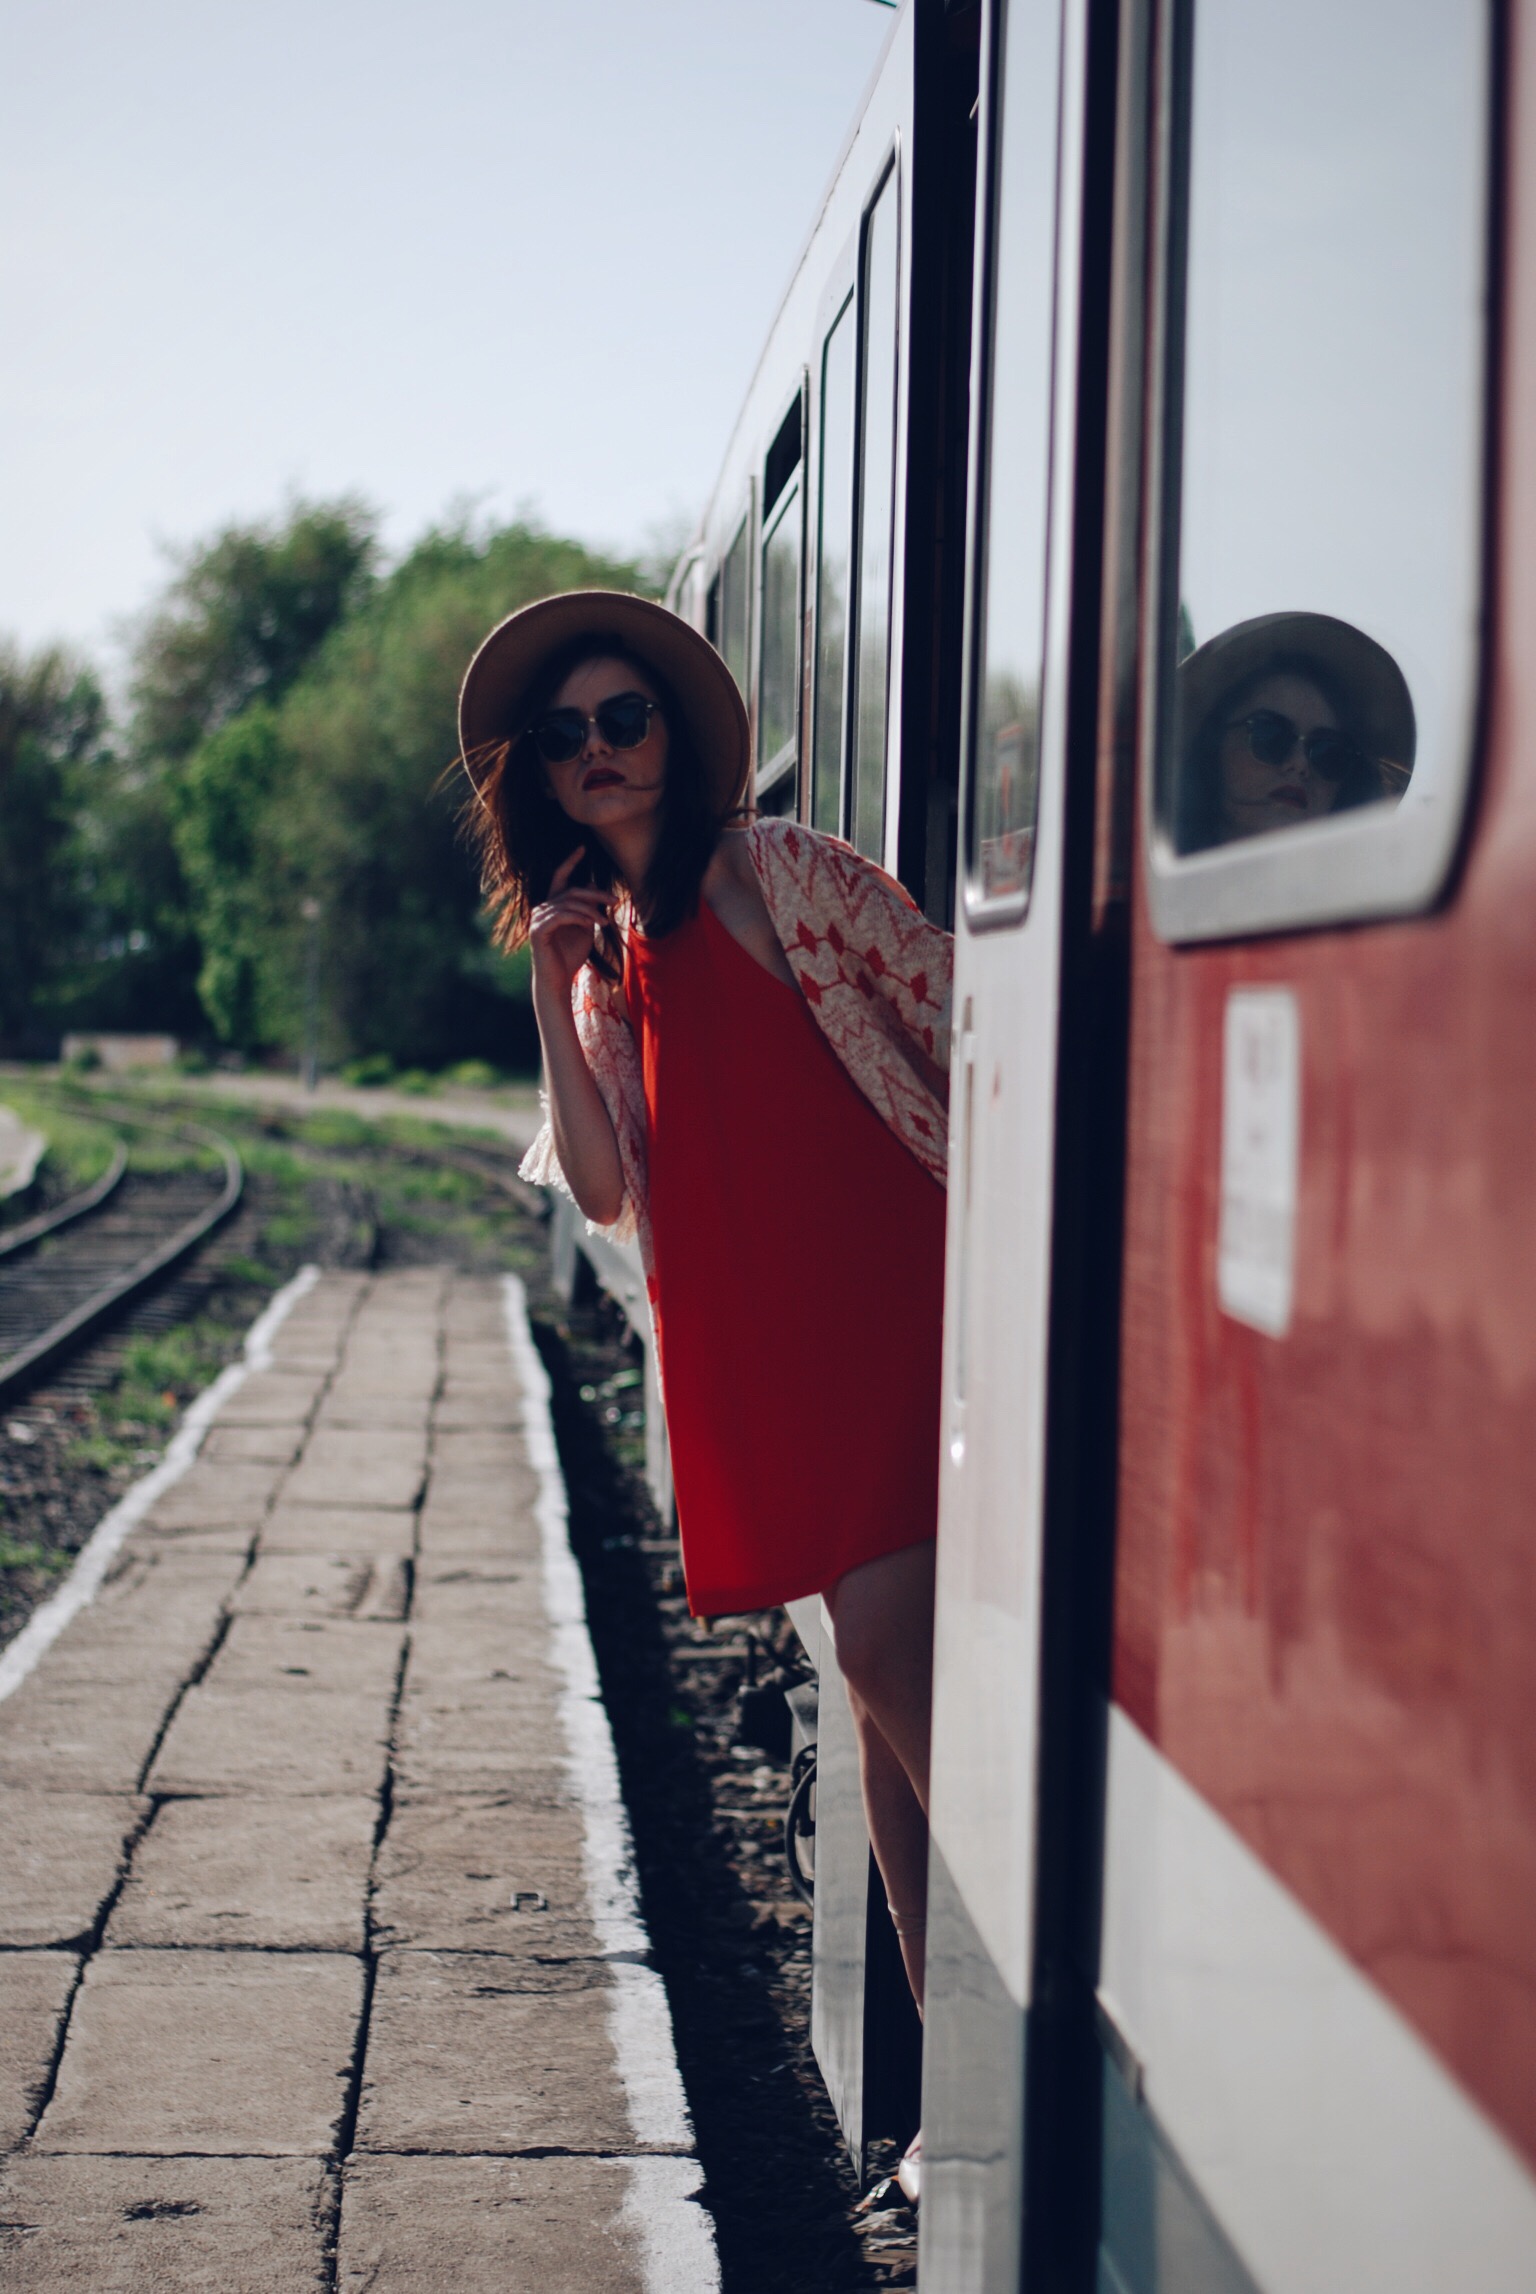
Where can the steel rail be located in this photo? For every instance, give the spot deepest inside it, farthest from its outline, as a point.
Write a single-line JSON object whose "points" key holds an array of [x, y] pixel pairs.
{"points": [[39, 1352], [75, 1207]]}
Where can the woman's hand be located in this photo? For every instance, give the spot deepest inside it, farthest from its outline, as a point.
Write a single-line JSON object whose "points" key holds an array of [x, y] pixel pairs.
{"points": [[563, 928]]}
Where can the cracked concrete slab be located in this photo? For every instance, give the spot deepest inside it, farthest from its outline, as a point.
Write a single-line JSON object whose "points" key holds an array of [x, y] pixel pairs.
{"points": [[277, 1442], [368, 1587], [244, 2053], [274, 1743], [273, 1398], [485, 1649], [456, 1590], [274, 1874], [73, 1736], [337, 1529], [472, 2052], [491, 2226], [213, 1496], [62, 1852], [309, 1654], [486, 1875], [490, 1523], [35, 1988], [164, 2226], [354, 1468]]}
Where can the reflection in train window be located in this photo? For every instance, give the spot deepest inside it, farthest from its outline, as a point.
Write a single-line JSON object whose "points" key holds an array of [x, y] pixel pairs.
{"points": [[736, 603], [833, 558], [877, 507], [780, 674], [1323, 621], [1010, 585]]}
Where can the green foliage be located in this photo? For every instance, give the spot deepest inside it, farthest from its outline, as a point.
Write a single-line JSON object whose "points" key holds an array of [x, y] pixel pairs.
{"points": [[51, 725], [273, 843], [367, 1074], [242, 619]]}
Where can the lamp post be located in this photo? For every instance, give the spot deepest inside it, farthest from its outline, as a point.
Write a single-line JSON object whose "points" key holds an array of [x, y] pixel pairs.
{"points": [[309, 909]]}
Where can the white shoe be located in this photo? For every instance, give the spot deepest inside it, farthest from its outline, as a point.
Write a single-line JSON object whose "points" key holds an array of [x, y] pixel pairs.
{"points": [[909, 2174]]}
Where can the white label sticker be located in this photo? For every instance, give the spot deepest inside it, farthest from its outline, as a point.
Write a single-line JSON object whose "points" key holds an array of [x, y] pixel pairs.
{"points": [[1260, 1132]]}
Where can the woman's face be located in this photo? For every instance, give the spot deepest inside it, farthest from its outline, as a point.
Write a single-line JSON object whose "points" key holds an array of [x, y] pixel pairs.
{"points": [[1265, 777], [602, 787]]}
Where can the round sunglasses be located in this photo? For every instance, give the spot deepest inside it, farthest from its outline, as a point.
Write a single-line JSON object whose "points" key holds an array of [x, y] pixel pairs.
{"points": [[623, 722], [1272, 736]]}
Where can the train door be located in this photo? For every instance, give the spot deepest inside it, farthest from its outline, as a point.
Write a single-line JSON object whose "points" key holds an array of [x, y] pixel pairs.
{"points": [[1013, 839], [1318, 1958]]}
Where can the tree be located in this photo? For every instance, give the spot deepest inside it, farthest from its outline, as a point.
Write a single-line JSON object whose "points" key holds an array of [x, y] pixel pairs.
{"points": [[243, 617], [52, 720], [333, 796]]}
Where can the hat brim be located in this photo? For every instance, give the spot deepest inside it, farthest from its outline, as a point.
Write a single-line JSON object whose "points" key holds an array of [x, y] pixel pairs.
{"points": [[497, 683], [1371, 686]]}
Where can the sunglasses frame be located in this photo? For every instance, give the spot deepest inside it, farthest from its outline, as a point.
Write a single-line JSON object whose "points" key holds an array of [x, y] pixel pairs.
{"points": [[1348, 753], [550, 716]]}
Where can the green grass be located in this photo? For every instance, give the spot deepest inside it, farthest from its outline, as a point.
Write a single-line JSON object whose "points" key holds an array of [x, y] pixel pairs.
{"points": [[17, 1553], [78, 1149]]}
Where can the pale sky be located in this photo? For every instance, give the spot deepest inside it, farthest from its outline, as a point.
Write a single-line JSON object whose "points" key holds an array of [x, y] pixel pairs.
{"points": [[524, 251]]}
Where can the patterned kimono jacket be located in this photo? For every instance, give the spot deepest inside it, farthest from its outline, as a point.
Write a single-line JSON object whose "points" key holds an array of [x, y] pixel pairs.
{"points": [[877, 978]]}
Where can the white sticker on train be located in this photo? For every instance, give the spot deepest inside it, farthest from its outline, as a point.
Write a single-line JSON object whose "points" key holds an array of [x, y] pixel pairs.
{"points": [[1260, 1139]]}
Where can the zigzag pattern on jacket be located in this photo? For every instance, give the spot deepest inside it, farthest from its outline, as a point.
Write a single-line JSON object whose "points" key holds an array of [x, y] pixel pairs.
{"points": [[876, 974]]}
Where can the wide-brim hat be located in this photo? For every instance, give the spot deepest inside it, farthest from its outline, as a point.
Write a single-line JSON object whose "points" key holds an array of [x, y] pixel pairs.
{"points": [[493, 697], [1370, 687]]}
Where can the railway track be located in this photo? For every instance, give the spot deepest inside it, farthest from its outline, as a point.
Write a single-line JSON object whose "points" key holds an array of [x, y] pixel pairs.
{"points": [[64, 1275]]}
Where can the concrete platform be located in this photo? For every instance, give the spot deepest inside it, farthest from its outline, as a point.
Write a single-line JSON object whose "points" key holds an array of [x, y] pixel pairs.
{"points": [[320, 1963]]}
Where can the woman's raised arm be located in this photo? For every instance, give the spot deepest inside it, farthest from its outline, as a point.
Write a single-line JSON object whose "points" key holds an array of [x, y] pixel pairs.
{"points": [[560, 938]]}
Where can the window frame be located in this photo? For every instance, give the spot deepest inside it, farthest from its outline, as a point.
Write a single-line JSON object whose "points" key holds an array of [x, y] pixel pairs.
{"points": [[790, 501], [1368, 865], [842, 289], [888, 176], [998, 911], [743, 529]]}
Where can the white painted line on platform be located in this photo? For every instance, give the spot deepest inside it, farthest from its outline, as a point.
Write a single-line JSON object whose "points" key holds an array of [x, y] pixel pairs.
{"points": [[676, 2234], [97, 1554]]}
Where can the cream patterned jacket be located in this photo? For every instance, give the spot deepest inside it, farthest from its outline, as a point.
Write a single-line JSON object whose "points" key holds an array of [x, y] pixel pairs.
{"points": [[875, 973]]}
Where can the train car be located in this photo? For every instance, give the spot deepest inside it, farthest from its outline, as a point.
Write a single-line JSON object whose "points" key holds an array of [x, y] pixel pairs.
{"points": [[1127, 537]]}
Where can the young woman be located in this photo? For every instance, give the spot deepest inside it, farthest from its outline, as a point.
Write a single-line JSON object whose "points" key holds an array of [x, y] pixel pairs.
{"points": [[745, 1036]]}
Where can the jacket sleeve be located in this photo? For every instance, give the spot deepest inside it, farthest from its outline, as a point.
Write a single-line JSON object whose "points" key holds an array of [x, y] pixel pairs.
{"points": [[876, 973], [608, 1043]]}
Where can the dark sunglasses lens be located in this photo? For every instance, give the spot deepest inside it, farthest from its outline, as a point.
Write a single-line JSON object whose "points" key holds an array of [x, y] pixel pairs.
{"points": [[560, 736], [624, 721], [1271, 737], [1329, 753]]}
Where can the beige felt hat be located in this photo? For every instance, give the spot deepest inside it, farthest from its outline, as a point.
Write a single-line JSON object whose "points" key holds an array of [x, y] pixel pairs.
{"points": [[498, 680]]}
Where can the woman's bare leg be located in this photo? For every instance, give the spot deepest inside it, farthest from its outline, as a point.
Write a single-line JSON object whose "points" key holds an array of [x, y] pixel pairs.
{"points": [[882, 1619]]}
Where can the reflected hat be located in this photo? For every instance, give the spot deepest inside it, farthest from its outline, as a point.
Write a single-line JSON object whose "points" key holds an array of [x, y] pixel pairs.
{"points": [[1362, 673], [493, 698]]}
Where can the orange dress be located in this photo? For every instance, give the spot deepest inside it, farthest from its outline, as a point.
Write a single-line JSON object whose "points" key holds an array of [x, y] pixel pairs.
{"points": [[799, 1253]]}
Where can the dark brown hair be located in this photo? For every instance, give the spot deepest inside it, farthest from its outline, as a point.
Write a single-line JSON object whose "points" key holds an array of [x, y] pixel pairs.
{"points": [[520, 833]]}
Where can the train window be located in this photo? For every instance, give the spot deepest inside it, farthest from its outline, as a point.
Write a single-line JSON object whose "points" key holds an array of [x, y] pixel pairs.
{"points": [[834, 555], [779, 676], [736, 604], [1324, 378], [779, 588], [879, 299], [1008, 617]]}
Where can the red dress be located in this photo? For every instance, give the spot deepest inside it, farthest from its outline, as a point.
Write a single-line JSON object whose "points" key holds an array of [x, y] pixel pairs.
{"points": [[799, 1252]]}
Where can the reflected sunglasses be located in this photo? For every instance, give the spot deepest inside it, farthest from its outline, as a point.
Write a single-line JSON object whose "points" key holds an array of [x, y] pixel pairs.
{"points": [[623, 721], [1271, 737]]}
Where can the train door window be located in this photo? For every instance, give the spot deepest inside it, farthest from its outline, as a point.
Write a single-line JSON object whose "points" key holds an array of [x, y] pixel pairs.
{"points": [[880, 309], [834, 560], [779, 640], [1009, 579], [736, 604], [1323, 376]]}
